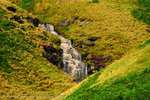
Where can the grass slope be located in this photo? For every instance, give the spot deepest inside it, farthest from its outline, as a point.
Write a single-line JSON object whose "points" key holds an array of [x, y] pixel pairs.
{"points": [[24, 73], [112, 21], [125, 79], [119, 26]]}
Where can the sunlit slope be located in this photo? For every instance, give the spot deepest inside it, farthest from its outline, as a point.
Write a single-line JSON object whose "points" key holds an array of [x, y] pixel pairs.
{"points": [[24, 72], [114, 23], [127, 79]]}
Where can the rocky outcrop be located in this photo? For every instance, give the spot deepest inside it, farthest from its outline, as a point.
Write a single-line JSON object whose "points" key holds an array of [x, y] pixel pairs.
{"points": [[34, 21], [17, 18], [72, 62], [53, 55], [99, 62], [12, 9], [92, 38]]}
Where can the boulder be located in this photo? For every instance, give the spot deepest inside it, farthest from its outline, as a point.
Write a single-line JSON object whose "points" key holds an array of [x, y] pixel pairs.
{"points": [[53, 58], [53, 55], [34, 21], [99, 61], [12, 9], [17, 18], [92, 38], [49, 49]]}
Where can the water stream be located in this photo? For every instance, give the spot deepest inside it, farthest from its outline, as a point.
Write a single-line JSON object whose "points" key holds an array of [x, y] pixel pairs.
{"points": [[72, 60]]}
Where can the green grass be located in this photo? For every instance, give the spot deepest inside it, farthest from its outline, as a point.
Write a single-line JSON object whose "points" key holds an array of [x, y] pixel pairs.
{"points": [[23, 69], [112, 21], [120, 26], [26, 4], [143, 11], [125, 79]]}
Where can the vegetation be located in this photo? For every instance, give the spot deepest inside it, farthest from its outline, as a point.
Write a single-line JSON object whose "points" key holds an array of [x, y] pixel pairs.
{"points": [[24, 72], [143, 11], [110, 21], [113, 36], [126, 79]]}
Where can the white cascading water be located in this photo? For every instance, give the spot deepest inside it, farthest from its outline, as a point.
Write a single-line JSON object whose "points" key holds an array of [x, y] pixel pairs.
{"points": [[71, 58]]}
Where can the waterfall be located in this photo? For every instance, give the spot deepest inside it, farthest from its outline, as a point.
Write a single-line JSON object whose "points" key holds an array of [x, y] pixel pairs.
{"points": [[72, 60]]}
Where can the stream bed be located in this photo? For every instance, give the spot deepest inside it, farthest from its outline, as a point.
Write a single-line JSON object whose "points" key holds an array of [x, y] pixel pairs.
{"points": [[72, 60]]}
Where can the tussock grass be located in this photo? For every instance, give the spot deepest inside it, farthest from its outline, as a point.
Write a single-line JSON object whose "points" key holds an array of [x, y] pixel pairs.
{"points": [[24, 72]]}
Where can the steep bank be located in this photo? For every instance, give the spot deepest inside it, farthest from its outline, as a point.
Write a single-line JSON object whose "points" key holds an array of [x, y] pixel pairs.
{"points": [[24, 72], [102, 32], [125, 79]]}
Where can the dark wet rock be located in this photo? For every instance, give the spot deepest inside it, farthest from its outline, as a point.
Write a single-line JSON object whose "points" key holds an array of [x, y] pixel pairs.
{"points": [[34, 21], [53, 55], [17, 18], [53, 58], [92, 38], [82, 46], [82, 19], [29, 19], [84, 55], [12, 9], [99, 61], [23, 28], [90, 70], [49, 49], [30, 27], [72, 41]]}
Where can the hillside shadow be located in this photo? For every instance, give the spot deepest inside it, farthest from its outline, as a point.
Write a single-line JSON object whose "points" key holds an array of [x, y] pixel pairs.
{"points": [[142, 12]]}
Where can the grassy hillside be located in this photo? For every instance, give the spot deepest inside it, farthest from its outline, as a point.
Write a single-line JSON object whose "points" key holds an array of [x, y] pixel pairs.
{"points": [[24, 72], [125, 79], [104, 30]]}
